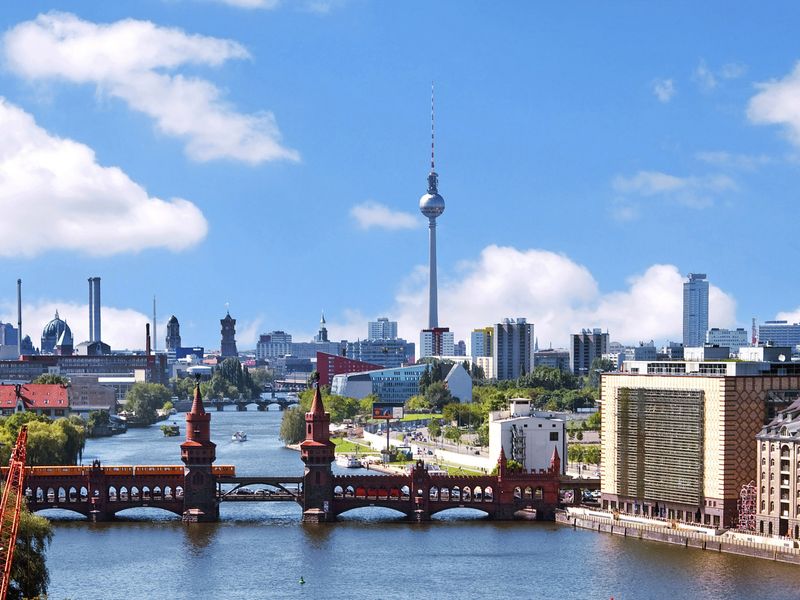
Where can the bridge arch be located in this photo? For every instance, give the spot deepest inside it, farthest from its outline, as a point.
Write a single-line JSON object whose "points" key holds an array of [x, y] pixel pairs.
{"points": [[394, 512], [176, 510], [471, 513]]}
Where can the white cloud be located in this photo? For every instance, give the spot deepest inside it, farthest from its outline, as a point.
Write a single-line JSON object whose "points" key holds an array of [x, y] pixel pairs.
{"points": [[122, 328], [778, 103], [557, 294], [134, 61], [321, 7], [791, 316], [747, 162], [732, 70], [664, 89], [54, 195], [247, 333], [704, 77], [371, 214], [693, 192]]}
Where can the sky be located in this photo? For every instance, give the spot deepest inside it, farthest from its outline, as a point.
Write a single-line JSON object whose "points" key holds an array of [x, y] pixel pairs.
{"points": [[267, 157]]}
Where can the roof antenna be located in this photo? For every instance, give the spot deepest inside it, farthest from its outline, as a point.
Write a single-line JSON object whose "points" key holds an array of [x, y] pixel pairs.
{"points": [[433, 138]]}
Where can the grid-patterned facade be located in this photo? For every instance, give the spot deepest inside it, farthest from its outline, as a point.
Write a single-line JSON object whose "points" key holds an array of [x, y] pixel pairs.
{"points": [[660, 444]]}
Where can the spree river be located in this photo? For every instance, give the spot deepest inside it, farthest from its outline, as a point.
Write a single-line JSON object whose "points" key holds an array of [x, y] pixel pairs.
{"points": [[261, 550]]}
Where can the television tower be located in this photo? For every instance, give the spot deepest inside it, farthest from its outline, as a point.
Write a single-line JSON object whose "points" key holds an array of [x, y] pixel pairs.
{"points": [[432, 205]]}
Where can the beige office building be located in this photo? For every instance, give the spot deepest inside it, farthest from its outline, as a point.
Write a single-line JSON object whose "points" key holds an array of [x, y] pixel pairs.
{"points": [[679, 437]]}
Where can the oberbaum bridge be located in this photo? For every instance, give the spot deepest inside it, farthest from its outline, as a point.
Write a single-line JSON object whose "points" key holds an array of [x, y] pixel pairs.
{"points": [[194, 491]]}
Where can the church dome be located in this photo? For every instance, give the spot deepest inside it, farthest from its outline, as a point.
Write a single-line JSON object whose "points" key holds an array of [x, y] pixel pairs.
{"points": [[55, 328], [52, 332]]}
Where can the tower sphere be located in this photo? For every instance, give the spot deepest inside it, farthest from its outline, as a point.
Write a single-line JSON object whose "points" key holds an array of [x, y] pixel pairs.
{"points": [[431, 205]]}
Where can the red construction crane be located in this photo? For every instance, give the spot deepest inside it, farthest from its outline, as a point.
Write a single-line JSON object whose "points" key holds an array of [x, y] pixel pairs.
{"points": [[13, 493]]}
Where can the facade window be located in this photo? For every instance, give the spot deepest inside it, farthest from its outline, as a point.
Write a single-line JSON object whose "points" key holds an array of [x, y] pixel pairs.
{"points": [[553, 436], [763, 505], [771, 506], [762, 475]]}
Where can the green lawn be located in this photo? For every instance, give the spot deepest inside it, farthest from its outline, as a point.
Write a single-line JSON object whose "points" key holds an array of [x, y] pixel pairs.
{"points": [[344, 446]]}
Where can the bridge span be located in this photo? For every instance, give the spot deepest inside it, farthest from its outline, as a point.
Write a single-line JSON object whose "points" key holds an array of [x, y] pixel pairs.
{"points": [[196, 489]]}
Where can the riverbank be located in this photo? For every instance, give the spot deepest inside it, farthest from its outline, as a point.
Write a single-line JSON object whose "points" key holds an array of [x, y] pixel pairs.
{"points": [[701, 538]]}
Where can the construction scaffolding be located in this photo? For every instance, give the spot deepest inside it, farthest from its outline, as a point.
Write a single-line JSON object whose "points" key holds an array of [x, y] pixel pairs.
{"points": [[747, 507]]}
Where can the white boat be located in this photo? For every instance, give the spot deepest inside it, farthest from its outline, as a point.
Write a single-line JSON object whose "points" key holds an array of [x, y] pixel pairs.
{"points": [[239, 436], [349, 461]]}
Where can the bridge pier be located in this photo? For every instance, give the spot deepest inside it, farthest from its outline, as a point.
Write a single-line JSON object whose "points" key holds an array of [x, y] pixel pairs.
{"points": [[219, 406], [261, 407], [241, 407]]}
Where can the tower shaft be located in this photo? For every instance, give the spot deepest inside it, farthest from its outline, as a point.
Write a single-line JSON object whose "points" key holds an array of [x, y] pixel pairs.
{"points": [[433, 296]]}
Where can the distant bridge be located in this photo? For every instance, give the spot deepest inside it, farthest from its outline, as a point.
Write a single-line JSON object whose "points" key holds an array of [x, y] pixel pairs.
{"points": [[283, 402]]}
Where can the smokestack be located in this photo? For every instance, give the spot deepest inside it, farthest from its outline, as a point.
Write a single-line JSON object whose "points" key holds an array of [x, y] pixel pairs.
{"points": [[147, 338], [94, 309], [19, 317], [155, 337]]}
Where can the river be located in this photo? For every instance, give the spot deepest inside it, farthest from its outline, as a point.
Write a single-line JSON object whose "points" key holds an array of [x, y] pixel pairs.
{"points": [[261, 550]]}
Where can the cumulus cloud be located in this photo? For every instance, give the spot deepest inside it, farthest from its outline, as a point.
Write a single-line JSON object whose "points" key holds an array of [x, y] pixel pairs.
{"points": [[552, 291], [122, 328], [707, 79], [369, 215], [664, 89], [693, 192], [54, 195], [135, 61], [778, 103]]}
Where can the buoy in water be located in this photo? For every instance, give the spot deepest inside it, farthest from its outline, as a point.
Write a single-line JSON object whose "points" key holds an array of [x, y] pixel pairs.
{"points": [[302, 581]]}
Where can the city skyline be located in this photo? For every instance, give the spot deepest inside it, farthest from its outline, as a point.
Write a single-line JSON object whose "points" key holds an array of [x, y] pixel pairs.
{"points": [[252, 175]]}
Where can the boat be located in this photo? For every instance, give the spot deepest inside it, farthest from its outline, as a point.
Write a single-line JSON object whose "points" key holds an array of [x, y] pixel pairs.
{"points": [[171, 430], [349, 461], [239, 436]]}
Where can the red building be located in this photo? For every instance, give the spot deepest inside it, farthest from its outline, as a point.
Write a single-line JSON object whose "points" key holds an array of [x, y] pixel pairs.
{"points": [[329, 365], [51, 400]]}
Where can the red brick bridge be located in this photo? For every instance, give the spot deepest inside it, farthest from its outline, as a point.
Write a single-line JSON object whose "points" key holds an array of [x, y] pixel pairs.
{"points": [[195, 490]]}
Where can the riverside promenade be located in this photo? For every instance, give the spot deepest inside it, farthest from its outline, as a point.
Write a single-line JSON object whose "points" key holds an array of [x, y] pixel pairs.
{"points": [[682, 534]]}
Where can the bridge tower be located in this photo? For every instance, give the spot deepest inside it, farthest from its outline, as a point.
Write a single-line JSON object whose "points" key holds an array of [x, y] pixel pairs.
{"points": [[317, 452], [198, 453]]}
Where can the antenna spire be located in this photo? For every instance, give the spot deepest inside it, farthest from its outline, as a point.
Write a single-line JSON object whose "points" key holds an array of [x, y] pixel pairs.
{"points": [[433, 137]]}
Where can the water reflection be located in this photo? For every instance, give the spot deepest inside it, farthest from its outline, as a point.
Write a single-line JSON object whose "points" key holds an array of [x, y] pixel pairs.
{"points": [[198, 536]]}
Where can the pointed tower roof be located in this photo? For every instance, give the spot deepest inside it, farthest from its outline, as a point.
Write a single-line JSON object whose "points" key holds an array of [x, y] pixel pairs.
{"points": [[322, 319], [317, 407], [197, 403], [555, 460]]}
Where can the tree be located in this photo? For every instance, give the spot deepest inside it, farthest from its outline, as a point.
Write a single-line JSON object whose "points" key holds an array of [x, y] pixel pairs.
{"points": [[29, 575], [599, 365], [593, 422], [97, 418], [293, 425], [51, 378], [434, 428], [452, 433], [144, 399], [438, 395], [417, 404]]}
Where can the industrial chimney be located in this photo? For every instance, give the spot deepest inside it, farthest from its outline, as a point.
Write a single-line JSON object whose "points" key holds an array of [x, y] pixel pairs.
{"points": [[147, 339], [94, 309], [19, 317]]}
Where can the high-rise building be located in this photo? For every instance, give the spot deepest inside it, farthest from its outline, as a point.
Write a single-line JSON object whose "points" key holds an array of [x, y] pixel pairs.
{"points": [[732, 338], [779, 333], [173, 334], [695, 310], [382, 329], [556, 358], [274, 344], [387, 353], [228, 343], [480, 342], [584, 347], [460, 348], [512, 349], [438, 341]]}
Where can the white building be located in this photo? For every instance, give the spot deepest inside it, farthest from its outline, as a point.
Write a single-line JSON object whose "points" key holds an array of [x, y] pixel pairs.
{"points": [[382, 329], [732, 338], [459, 383], [436, 342], [480, 342], [274, 345], [779, 333], [527, 436]]}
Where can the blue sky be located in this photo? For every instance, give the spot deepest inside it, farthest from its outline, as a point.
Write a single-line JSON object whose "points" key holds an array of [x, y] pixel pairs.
{"points": [[271, 154]]}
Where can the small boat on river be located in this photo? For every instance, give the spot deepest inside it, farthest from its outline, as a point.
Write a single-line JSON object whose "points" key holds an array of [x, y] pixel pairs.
{"points": [[349, 461], [239, 436]]}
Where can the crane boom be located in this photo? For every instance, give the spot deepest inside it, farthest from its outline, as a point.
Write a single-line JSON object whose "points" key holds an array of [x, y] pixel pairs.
{"points": [[10, 507]]}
